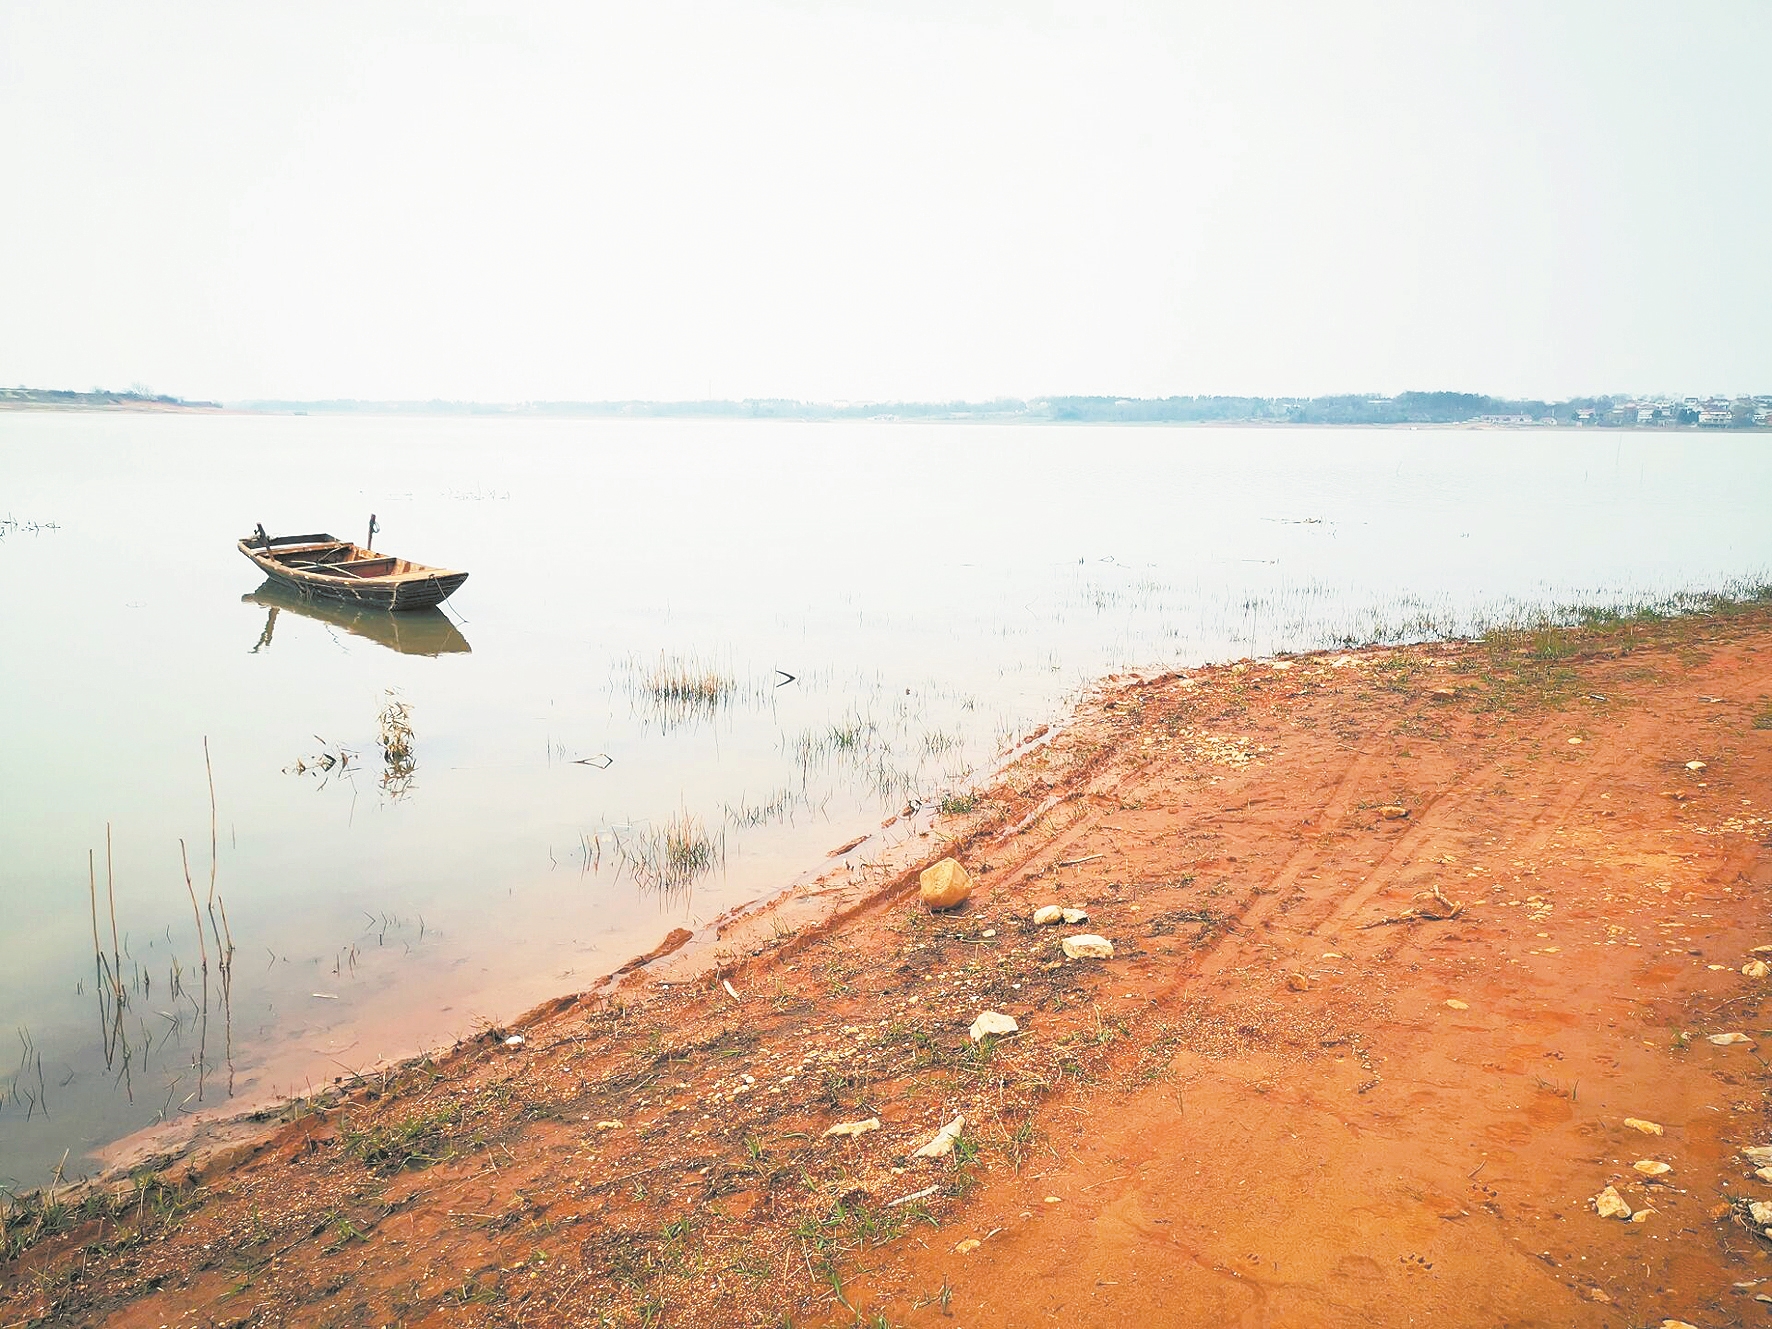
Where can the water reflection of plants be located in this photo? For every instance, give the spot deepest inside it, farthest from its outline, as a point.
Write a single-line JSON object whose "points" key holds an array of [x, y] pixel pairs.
{"points": [[124, 985], [667, 858], [395, 738], [681, 691]]}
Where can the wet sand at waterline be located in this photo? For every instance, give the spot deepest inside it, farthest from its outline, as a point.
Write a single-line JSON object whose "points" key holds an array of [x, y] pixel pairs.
{"points": [[1416, 952]]}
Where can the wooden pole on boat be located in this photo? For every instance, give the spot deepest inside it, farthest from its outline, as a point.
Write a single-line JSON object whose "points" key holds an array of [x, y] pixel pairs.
{"points": [[369, 544], [264, 539]]}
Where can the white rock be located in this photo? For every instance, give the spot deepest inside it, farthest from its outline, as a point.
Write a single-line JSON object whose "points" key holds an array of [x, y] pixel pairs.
{"points": [[1759, 1155], [1048, 913], [1695, 766], [943, 1143], [1754, 969], [1763, 1173], [988, 933], [1088, 946], [1647, 1127], [1761, 1210], [991, 1022], [1075, 916], [1728, 1040], [514, 1041], [1649, 1167], [854, 1128], [1610, 1204]]}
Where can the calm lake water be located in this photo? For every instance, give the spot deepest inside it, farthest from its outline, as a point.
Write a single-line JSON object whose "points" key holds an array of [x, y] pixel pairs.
{"points": [[933, 590]]}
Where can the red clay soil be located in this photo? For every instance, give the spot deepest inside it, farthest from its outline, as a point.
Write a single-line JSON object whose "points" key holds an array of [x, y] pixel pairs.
{"points": [[1404, 942]]}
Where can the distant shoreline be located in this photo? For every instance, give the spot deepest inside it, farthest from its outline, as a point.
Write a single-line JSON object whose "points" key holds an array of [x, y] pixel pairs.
{"points": [[1411, 410]]}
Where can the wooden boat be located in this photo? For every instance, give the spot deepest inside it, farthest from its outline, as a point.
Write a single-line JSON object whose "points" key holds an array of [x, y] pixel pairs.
{"points": [[411, 632], [323, 567]]}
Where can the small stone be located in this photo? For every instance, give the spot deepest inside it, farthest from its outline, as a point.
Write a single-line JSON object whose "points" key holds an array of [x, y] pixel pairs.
{"points": [[1760, 1211], [988, 933], [853, 1128], [514, 1041], [944, 885], [1575, 742], [1088, 946], [1650, 1167], [1761, 950], [1075, 916], [1647, 1127], [1763, 1173], [943, 1142], [1754, 969], [1297, 982], [1758, 1154], [1610, 1204], [1728, 1040], [1695, 766], [609, 1125], [991, 1022], [1393, 812], [1457, 1005], [1641, 1216], [1048, 913], [1677, 1324], [1053, 1199], [968, 1246]]}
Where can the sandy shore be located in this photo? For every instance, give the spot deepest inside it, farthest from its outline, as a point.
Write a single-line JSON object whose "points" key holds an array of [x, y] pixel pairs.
{"points": [[1405, 941]]}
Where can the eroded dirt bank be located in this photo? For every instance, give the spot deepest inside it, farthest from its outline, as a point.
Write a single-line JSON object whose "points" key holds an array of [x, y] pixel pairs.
{"points": [[1346, 1067]]}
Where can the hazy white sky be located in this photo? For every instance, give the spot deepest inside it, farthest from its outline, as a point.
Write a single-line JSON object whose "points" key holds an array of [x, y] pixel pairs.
{"points": [[513, 201]]}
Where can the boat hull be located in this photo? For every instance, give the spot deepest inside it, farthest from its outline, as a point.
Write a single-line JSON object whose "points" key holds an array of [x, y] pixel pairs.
{"points": [[319, 568]]}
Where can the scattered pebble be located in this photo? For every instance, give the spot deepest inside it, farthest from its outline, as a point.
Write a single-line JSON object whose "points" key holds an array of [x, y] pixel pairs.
{"points": [[514, 1041], [1758, 1154], [1647, 1127], [1393, 812], [988, 933], [1754, 969], [1457, 1005], [1053, 1199], [1075, 916], [1695, 766], [1729, 1039], [968, 1246], [1650, 1167], [1763, 1173], [1760, 1211], [1048, 913], [853, 1128], [1575, 742], [1297, 982], [943, 1142], [609, 1125], [992, 1022], [1088, 946], [1610, 1204]]}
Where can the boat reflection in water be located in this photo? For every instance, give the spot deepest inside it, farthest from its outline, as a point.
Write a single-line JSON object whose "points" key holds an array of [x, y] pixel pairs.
{"points": [[415, 632]]}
